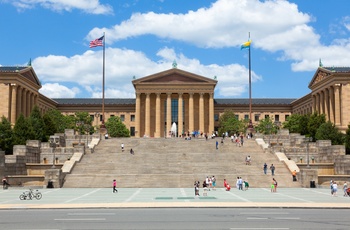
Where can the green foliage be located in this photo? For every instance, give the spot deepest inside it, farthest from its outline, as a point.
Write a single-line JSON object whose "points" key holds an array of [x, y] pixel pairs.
{"points": [[229, 122], [116, 128], [83, 122], [297, 123], [266, 126], [315, 121], [50, 127], [22, 131], [328, 131], [59, 121], [38, 125], [6, 136]]}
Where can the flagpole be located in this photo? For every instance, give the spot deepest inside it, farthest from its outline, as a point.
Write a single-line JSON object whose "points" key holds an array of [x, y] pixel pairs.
{"points": [[103, 82], [250, 86]]}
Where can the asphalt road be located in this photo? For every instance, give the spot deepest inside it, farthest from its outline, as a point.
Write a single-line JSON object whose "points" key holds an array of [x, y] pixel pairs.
{"points": [[175, 218]]}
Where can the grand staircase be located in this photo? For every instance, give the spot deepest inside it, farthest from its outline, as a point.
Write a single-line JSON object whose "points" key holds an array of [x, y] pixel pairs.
{"points": [[173, 163]]}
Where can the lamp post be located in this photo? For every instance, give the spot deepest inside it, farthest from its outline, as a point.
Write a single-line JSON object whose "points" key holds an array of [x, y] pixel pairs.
{"points": [[97, 115], [308, 140], [53, 146]]}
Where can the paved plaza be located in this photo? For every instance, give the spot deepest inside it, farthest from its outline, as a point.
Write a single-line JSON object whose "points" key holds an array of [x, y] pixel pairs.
{"points": [[173, 197]]}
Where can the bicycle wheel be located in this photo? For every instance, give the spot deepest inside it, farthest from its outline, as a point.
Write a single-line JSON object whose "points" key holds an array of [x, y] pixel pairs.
{"points": [[38, 196], [22, 197]]}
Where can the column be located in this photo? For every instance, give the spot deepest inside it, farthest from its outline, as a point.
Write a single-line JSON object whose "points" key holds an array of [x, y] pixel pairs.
{"points": [[191, 114], [313, 103], [168, 114], [337, 107], [137, 116], [326, 104], [201, 113], [148, 115], [24, 99], [211, 113], [318, 103], [331, 104], [322, 103], [180, 115], [28, 109], [13, 106], [157, 134], [19, 101]]}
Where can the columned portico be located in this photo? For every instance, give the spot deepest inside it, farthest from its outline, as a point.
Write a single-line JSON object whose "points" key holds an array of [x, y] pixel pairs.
{"points": [[173, 96]]}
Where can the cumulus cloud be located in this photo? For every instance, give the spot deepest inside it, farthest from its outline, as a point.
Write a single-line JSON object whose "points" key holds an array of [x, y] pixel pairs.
{"points": [[275, 26], [122, 65], [88, 6], [55, 90]]}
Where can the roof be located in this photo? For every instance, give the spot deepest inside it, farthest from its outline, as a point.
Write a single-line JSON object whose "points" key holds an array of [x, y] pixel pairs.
{"points": [[132, 101], [337, 69], [255, 101], [12, 68], [94, 101]]}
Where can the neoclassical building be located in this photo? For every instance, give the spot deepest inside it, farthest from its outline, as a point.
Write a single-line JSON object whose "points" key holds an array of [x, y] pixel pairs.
{"points": [[176, 101]]}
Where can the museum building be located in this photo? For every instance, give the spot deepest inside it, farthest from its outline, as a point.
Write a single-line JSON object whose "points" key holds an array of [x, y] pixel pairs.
{"points": [[175, 97]]}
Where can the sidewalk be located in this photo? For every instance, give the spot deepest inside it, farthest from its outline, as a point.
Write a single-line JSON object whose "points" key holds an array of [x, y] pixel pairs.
{"points": [[173, 198]]}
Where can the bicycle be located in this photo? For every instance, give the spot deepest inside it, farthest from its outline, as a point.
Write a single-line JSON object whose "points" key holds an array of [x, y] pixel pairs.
{"points": [[29, 195]]}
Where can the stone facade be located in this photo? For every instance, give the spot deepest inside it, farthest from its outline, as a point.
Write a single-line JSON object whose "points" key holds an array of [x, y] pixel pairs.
{"points": [[180, 97]]}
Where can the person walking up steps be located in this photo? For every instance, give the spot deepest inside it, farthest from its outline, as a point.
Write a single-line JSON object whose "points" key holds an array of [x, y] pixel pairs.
{"points": [[115, 186], [272, 168], [122, 147]]}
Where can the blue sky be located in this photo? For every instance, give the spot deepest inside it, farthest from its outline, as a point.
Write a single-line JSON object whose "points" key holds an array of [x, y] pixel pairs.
{"points": [[204, 37]]}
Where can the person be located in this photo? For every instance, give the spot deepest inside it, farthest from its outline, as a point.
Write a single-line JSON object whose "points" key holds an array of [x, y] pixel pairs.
{"points": [[106, 136], [228, 187], [122, 146], [240, 183], [225, 183], [248, 160], [335, 188], [246, 185], [217, 144], [274, 185], [132, 152], [272, 168], [5, 184], [332, 187], [345, 188], [115, 186], [196, 188], [294, 175], [265, 168], [213, 179], [207, 183]]}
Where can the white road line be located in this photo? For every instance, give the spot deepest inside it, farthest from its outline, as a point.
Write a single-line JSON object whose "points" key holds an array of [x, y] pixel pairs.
{"points": [[133, 195], [292, 197], [184, 194], [264, 213], [79, 197], [91, 214], [261, 228], [241, 198], [85, 219], [287, 218], [256, 218]]}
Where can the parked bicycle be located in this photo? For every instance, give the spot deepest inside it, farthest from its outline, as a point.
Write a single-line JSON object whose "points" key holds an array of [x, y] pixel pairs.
{"points": [[29, 195]]}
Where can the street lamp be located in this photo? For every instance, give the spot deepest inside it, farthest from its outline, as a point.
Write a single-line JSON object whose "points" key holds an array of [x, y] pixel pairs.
{"points": [[53, 146], [308, 140]]}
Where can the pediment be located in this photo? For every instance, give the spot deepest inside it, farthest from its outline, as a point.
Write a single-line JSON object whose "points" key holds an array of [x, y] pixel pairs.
{"points": [[30, 75], [320, 75], [174, 76]]}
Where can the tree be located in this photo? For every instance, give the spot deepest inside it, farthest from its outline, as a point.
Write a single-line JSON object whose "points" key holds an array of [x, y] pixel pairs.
{"points": [[6, 136], [297, 123], [59, 121], [228, 122], [328, 131], [267, 126], [50, 127], [83, 121], [38, 125], [22, 131], [315, 121], [116, 128]]}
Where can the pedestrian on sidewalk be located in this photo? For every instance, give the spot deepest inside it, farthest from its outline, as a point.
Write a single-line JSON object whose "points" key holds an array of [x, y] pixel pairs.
{"points": [[5, 184], [265, 168], [272, 168], [294, 175], [274, 185], [122, 147], [213, 179], [115, 186], [132, 152], [217, 144], [345, 188]]}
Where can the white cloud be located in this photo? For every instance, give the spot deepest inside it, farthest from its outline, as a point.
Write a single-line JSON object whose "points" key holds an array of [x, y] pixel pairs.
{"points": [[88, 6], [56, 90], [121, 66], [274, 26]]}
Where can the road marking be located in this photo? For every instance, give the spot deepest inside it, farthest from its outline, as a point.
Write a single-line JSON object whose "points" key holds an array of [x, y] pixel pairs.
{"points": [[292, 197], [239, 197], [264, 213], [85, 219], [91, 214], [257, 218], [262, 228], [287, 218], [133, 195], [79, 197], [184, 194]]}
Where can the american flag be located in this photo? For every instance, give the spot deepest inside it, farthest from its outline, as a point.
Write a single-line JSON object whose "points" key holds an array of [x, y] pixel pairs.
{"points": [[97, 42]]}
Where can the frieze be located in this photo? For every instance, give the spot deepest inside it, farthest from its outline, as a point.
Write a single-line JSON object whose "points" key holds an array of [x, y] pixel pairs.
{"points": [[320, 76]]}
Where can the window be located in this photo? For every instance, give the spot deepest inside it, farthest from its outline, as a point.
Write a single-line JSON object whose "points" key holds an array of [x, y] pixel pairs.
{"points": [[132, 117], [277, 117], [286, 117], [92, 117], [246, 117], [112, 115], [122, 117], [132, 131], [216, 117], [266, 116], [256, 117], [237, 116]]}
